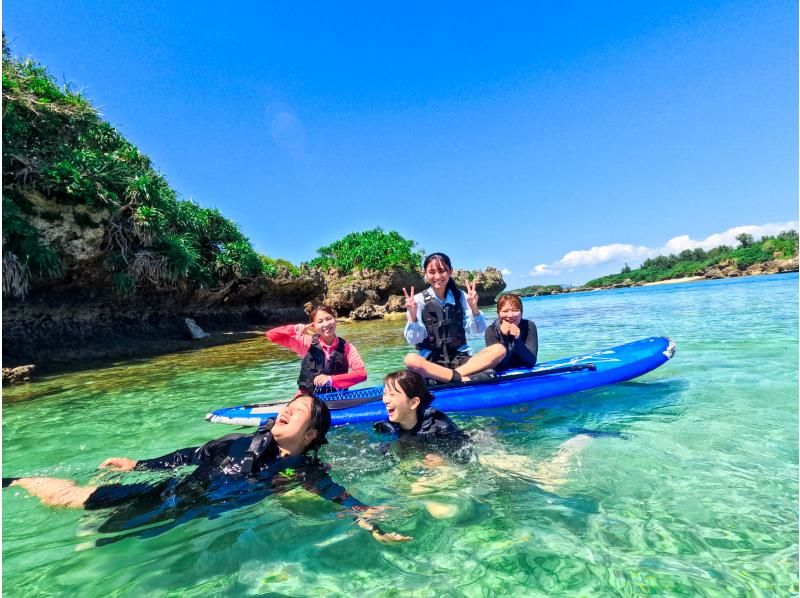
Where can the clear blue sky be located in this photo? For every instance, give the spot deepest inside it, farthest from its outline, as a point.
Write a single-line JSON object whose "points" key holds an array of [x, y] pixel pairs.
{"points": [[507, 135]]}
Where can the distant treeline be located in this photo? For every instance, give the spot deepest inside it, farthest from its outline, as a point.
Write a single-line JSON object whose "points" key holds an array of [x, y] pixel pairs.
{"points": [[536, 290], [692, 262], [55, 144]]}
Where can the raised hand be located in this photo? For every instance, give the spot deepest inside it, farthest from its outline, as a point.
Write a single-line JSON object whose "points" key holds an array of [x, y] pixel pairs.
{"points": [[118, 463], [472, 296], [411, 305]]}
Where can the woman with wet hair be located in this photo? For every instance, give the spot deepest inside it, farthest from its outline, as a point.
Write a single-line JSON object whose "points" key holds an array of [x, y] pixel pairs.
{"points": [[230, 472], [439, 320], [408, 403], [329, 362]]}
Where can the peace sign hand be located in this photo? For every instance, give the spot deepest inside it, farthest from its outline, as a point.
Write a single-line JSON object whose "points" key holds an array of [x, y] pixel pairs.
{"points": [[472, 296], [411, 305]]}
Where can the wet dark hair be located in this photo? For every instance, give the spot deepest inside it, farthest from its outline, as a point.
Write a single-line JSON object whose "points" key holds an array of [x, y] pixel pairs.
{"points": [[321, 307], [319, 420], [413, 385], [444, 259]]}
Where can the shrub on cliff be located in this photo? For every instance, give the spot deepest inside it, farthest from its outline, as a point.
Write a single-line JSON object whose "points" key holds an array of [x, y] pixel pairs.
{"points": [[56, 144], [369, 250]]}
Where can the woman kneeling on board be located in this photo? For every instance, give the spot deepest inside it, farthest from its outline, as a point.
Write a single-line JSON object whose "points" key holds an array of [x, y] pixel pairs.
{"points": [[439, 320], [231, 471], [329, 363]]}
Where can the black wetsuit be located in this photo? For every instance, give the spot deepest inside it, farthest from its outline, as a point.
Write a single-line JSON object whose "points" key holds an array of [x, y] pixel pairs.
{"points": [[229, 474], [433, 431], [520, 352]]}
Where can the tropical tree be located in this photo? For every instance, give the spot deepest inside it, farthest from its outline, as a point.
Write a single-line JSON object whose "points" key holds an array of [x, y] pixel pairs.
{"points": [[56, 144], [374, 249]]}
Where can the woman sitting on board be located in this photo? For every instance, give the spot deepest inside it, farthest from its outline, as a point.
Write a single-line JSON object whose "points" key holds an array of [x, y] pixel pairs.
{"points": [[517, 336], [329, 363], [439, 320], [231, 471]]}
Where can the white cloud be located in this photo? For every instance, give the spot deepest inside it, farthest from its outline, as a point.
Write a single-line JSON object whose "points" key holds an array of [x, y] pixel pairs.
{"points": [[618, 252], [678, 244], [505, 272]]}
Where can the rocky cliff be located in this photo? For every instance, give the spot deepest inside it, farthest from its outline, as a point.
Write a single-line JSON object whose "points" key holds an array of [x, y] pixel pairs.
{"points": [[367, 295], [78, 314]]}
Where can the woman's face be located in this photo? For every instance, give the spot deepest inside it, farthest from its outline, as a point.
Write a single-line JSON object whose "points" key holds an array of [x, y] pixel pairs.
{"points": [[325, 324], [510, 313], [399, 406], [437, 274], [292, 423]]}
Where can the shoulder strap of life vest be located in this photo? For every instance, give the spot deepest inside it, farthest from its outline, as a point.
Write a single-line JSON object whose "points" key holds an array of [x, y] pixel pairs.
{"points": [[261, 440]]}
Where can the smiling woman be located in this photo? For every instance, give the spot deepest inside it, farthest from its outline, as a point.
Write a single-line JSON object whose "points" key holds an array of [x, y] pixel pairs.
{"points": [[236, 469], [517, 336], [439, 319], [329, 363]]}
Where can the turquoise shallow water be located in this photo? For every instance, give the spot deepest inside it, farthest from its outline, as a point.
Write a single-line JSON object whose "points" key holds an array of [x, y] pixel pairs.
{"points": [[697, 494]]}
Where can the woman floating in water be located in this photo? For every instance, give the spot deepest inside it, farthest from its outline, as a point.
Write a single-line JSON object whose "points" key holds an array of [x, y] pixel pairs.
{"points": [[230, 472], [415, 423], [329, 363], [422, 429], [439, 320]]}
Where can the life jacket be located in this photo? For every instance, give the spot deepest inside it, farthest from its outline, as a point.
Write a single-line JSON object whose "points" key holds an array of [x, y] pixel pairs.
{"points": [[258, 445], [261, 456], [444, 324], [242, 462], [314, 363], [432, 423]]}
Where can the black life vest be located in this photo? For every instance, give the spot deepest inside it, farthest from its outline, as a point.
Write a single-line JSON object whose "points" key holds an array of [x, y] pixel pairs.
{"points": [[314, 363], [444, 325], [258, 445], [247, 461]]}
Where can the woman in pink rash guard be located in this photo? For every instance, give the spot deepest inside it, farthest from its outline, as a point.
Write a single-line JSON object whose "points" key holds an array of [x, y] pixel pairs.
{"points": [[329, 362]]}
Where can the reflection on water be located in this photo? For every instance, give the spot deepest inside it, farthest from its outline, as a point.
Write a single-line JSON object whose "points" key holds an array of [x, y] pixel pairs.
{"points": [[685, 482]]}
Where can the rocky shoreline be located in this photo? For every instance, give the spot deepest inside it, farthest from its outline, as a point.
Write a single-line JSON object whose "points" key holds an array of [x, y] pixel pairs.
{"points": [[61, 324], [78, 316]]}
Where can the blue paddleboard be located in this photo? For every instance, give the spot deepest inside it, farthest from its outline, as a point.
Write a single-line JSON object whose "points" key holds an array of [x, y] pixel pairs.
{"points": [[572, 374]]}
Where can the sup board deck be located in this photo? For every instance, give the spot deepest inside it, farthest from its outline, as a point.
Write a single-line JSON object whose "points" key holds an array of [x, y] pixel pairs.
{"points": [[573, 374]]}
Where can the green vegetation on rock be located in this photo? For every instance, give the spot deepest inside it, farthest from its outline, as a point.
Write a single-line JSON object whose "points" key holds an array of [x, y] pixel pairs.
{"points": [[369, 250], [536, 290], [693, 262], [55, 144]]}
